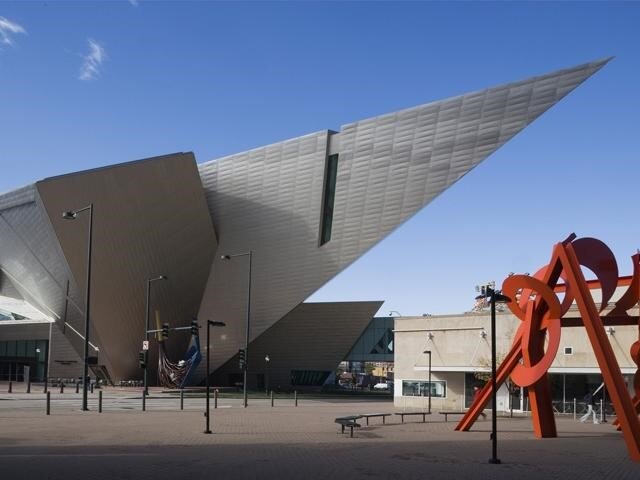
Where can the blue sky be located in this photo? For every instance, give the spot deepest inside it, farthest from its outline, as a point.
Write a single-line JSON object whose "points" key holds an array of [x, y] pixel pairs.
{"points": [[86, 84]]}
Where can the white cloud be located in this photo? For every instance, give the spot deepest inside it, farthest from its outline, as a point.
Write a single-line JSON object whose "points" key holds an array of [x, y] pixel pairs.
{"points": [[8, 29], [90, 68], [134, 2]]}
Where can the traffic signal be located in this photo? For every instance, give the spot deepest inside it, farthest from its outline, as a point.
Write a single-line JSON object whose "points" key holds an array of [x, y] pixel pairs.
{"points": [[242, 358], [165, 330], [142, 358], [194, 327]]}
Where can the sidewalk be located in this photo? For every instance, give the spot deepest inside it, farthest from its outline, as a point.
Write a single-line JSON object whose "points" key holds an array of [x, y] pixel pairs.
{"points": [[293, 443]]}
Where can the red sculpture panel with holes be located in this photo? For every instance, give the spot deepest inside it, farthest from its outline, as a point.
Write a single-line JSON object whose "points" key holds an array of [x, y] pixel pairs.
{"points": [[535, 302]]}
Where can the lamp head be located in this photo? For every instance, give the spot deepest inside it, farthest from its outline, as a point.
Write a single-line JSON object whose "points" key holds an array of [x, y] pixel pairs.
{"points": [[214, 323], [500, 298], [69, 215], [225, 257]]}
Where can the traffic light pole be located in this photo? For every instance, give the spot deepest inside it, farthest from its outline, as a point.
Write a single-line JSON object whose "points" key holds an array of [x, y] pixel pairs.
{"points": [[208, 414], [146, 384]]}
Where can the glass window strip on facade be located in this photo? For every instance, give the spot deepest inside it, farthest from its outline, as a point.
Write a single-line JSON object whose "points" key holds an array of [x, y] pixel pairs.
{"points": [[329, 194], [420, 388], [375, 344]]}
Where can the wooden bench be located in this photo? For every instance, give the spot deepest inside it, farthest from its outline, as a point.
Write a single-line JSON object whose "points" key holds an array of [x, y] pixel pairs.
{"points": [[447, 413], [371, 415], [349, 422], [424, 415]]}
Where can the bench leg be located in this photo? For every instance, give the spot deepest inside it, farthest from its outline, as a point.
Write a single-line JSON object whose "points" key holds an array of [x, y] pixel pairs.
{"points": [[342, 429], [383, 420], [367, 421], [402, 418], [424, 418], [351, 435]]}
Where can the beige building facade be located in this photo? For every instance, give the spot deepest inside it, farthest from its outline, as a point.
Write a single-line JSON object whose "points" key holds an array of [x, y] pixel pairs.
{"points": [[460, 347]]}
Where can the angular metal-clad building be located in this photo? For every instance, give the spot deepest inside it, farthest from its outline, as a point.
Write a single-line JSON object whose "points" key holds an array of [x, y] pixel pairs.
{"points": [[306, 208]]}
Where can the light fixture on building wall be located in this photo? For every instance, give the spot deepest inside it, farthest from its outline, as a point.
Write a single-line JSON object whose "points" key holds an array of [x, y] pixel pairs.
{"points": [[611, 331], [391, 312], [483, 333], [430, 335]]}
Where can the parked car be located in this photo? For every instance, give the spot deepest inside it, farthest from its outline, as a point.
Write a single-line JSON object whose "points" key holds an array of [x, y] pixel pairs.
{"points": [[382, 386]]}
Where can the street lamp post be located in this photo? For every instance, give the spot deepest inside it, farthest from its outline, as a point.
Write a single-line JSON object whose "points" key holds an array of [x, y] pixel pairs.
{"points": [[267, 359], [428, 352], [246, 341], [146, 330], [210, 323], [494, 297], [72, 215]]}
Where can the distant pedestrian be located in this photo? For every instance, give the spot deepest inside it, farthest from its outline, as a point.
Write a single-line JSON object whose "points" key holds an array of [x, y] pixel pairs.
{"points": [[590, 402], [476, 396]]}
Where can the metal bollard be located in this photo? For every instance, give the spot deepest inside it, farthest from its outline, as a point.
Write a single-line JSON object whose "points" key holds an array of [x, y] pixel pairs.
{"points": [[295, 397], [61, 387], [181, 399], [10, 387], [575, 407], [77, 387], [144, 401], [28, 386], [46, 386], [48, 403], [272, 398], [100, 401], [215, 398], [91, 387]]}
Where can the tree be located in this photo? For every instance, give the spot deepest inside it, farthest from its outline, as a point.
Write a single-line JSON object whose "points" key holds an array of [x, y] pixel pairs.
{"points": [[484, 377]]}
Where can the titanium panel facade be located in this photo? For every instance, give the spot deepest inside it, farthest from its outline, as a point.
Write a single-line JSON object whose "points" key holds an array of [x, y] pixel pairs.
{"points": [[153, 217], [150, 219], [33, 267], [269, 199], [313, 337]]}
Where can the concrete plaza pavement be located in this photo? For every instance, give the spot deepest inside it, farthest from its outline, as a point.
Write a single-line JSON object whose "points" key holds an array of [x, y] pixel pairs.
{"points": [[294, 443]]}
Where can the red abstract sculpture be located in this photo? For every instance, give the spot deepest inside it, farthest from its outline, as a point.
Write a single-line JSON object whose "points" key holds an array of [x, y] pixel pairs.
{"points": [[535, 303]]}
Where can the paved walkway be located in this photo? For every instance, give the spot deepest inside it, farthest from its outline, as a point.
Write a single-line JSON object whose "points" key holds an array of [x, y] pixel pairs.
{"points": [[295, 443]]}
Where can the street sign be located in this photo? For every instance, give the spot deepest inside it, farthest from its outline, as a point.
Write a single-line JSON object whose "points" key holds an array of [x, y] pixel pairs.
{"points": [[145, 345]]}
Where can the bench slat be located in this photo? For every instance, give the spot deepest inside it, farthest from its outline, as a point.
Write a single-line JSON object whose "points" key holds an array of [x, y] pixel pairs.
{"points": [[424, 414], [371, 415]]}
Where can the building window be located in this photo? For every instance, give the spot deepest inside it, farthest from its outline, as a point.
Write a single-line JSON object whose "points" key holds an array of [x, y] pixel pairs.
{"points": [[420, 388], [330, 175], [308, 377], [568, 350]]}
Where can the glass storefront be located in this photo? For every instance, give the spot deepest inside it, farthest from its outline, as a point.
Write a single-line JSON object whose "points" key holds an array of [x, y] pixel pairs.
{"points": [[565, 389], [15, 355]]}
